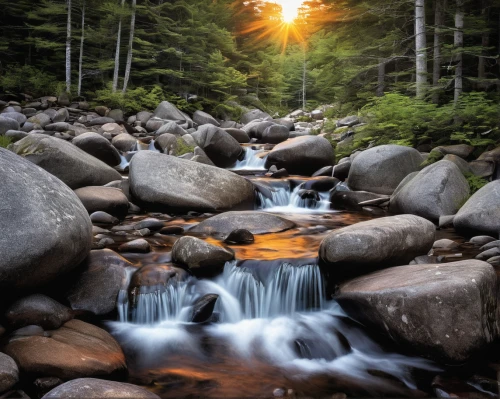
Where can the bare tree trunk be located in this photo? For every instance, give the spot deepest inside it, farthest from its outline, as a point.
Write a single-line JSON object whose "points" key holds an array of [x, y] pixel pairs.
{"points": [[117, 53], [68, 49], [439, 22], [130, 48], [80, 61], [485, 41], [304, 73], [381, 77], [459, 45], [420, 48]]}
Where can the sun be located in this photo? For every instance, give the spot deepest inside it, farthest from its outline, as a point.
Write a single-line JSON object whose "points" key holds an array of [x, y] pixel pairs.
{"points": [[290, 10]]}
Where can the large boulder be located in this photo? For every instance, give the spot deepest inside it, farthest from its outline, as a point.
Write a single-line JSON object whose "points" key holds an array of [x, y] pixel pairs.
{"points": [[219, 145], [196, 253], [45, 229], [444, 311], [381, 169], [275, 134], [75, 350], [124, 142], [302, 155], [239, 135], [363, 247], [99, 147], [169, 111], [9, 373], [93, 388], [185, 185], [107, 199], [100, 278], [170, 127], [254, 114], [255, 222], [7, 124], [481, 213], [66, 161], [38, 310], [438, 190], [202, 118]]}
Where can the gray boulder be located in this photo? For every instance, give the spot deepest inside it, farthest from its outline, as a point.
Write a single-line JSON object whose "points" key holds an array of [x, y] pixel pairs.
{"points": [[9, 373], [196, 253], [116, 115], [166, 110], [481, 213], [275, 134], [381, 169], [367, 246], [124, 142], [482, 168], [302, 155], [186, 185], [444, 311], [460, 150], [17, 116], [38, 310], [167, 143], [254, 114], [99, 147], [438, 190], [62, 115], [99, 280], [7, 124], [102, 120], [143, 117], [93, 388], [239, 135], [255, 222], [36, 253], [72, 165], [107, 199], [172, 128], [219, 145], [348, 121], [202, 118], [41, 119]]}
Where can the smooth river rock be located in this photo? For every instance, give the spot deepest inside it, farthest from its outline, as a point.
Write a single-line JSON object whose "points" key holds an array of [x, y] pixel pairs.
{"points": [[302, 155], [255, 222], [75, 350], [363, 247], [99, 147], [181, 184], [66, 161], [222, 148], [106, 199], [46, 231], [9, 373], [481, 213], [438, 190], [447, 312], [381, 169], [93, 388]]}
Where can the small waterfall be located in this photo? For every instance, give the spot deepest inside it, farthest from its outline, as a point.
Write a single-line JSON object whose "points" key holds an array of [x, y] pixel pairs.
{"points": [[285, 200], [251, 161]]}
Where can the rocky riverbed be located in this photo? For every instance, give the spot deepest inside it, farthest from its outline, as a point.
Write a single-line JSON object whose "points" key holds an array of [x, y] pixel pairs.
{"points": [[169, 255]]}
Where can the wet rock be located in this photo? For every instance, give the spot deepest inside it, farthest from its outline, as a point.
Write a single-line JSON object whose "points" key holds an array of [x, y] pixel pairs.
{"points": [[350, 200], [437, 190], [46, 384], [202, 118], [341, 170], [139, 246], [73, 166], [494, 261], [100, 278], [254, 222], [185, 185], [105, 199], [34, 253], [102, 120], [154, 276], [253, 115], [167, 143], [490, 245], [381, 169], [325, 171], [239, 236], [489, 253], [172, 230], [92, 388], [481, 213], [446, 221], [302, 155], [239, 135], [77, 349], [124, 142], [37, 310], [275, 134], [219, 145], [367, 246], [167, 127], [445, 244], [196, 253], [481, 240], [9, 373], [425, 260], [151, 224], [201, 157], [203, 308], [99, 147], [447, 312], [100, 217]]}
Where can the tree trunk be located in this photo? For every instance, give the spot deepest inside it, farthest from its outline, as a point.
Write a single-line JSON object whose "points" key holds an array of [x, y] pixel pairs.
{"points": [[485, 41], [68, 50], [420, 48], [459, 45], [117, 53], [130, 48], [304, 73], [80, 61], [381, 77], [439, 22]]}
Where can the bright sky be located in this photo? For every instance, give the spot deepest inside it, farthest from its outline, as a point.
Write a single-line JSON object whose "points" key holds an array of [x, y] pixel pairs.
{"points": [[290, 8]]}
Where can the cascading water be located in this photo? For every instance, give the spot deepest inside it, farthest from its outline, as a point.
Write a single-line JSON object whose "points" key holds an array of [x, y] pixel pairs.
{"points": [[251, 161], [278, 318], [286, 200], [127, 157]]}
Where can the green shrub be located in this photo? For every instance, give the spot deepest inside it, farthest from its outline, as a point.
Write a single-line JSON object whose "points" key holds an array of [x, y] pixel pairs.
{"points": [[28, 79], [183, 147], [5, 141], [305, 119], [475, 182]]}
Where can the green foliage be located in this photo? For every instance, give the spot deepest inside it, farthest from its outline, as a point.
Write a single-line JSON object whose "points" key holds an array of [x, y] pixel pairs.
{"points": [[183, 147], [5, 141], [433, 157], [475, 182], [305, 119], [132, 101], [28, 79]]}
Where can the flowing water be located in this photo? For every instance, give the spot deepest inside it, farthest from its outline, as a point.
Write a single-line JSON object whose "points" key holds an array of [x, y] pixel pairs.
{"points": [[251, 161]]}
